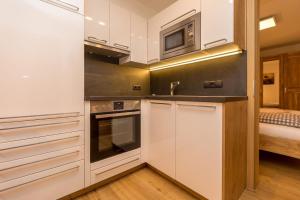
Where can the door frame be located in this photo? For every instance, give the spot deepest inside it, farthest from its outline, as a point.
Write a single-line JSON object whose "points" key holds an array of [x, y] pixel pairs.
{"points": [[253, 85]]}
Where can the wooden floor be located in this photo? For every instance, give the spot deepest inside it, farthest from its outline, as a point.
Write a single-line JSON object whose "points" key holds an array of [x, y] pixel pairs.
{"points": [[279, 180], [141, 185]]}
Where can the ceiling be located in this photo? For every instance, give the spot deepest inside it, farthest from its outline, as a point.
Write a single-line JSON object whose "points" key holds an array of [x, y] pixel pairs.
{"points": [[157, 5], [287, 14]]}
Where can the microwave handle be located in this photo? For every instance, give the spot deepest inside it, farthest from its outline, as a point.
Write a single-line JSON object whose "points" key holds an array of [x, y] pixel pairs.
{"points": [[191, 11]]}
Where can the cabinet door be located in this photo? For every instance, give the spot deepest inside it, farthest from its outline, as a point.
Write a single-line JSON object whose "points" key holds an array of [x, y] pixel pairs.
{"points": [[153, 40], [199, 148], [119, 26], [138, 39], [161, 138], [42, 66], [217, 23], [178, 11], [97, 21]]}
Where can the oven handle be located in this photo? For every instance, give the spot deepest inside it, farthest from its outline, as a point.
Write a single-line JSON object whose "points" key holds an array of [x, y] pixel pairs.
{"points": [[117, 114]]}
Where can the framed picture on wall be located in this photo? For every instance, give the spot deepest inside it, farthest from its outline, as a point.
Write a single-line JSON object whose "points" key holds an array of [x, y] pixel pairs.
{"points": [[269, 79]]}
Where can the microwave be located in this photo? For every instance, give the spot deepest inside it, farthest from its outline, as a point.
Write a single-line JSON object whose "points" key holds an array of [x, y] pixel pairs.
{"points": [[181, 38]]}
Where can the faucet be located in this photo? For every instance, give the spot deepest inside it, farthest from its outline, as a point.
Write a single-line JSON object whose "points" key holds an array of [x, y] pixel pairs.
{"points": [[173, 86]]}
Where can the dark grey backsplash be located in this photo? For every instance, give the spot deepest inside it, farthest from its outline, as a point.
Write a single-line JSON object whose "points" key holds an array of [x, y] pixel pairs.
{"points": [[105, 79], [232, 70]]}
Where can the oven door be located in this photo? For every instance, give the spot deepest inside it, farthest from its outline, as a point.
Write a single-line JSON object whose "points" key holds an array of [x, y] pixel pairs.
{"points": [[114, 133]]}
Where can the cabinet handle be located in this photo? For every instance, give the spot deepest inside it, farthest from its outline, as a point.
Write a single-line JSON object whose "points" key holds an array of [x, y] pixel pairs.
{"points": [[14, 183], [38, 125], [153, 60], [36, 141], [121, 46], [39, 117], [189, 12], [94, 39], [160, 103], [62, 4], [37, 158], [128, 161], [202, 108], [216, 43]]}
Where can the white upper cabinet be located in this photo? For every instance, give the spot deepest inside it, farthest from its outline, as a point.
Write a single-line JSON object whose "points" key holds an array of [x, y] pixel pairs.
{"points": [[76, 5], [179, 10], [138, 39], [97, 21], [42, 66], [119, 26], [217, 23]]}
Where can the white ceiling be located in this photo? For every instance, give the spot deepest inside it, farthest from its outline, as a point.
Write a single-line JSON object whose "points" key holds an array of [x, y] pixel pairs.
{"points": [[157, 5], [287, 31]]}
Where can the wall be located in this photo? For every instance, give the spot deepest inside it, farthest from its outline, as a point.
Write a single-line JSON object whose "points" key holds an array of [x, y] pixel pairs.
{"points": [[280, 50], [271, 92], [232, 70], [106, 79]]}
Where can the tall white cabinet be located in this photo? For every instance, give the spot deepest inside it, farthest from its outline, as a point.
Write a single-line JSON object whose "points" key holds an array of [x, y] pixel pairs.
{"points": [[42, 99], [41, 59]]}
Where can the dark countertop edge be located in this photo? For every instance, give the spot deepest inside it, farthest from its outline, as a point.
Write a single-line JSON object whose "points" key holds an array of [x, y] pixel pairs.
{"points": [[113, 98], [216, 99]]}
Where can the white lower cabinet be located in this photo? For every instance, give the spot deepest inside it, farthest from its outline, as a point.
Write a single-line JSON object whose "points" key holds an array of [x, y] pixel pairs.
{"points": [[161, 138], [199, 147], [50, 184]]}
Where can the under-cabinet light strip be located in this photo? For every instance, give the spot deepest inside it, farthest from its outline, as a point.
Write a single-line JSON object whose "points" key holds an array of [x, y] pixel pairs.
{"points": [[195, 60]]}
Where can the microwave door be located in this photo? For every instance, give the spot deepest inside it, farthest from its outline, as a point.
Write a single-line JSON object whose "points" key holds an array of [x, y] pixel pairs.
{"points": [[174, 41]]}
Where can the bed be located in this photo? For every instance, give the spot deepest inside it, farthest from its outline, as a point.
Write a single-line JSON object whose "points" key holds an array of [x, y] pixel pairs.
{"points": [[278, 136]]}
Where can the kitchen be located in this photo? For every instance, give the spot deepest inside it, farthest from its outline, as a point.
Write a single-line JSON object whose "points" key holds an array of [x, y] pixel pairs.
{"points": [[96, 90]]}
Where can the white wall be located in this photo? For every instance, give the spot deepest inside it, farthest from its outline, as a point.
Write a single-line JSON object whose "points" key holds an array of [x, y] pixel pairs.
{"points": [[271, 92]]}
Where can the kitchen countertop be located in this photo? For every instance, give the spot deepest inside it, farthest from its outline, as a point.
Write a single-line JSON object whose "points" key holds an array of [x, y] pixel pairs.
{"points": [[217, 99]]}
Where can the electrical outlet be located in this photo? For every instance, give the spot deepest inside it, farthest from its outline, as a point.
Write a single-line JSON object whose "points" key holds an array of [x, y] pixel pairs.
{"points": [[137, 88], [213, 84]]}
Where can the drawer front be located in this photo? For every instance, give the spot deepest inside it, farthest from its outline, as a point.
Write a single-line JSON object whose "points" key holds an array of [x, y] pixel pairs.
{"points": [[47, 185], [34, 164], [24, 128], [25, 148], [106, 172]]}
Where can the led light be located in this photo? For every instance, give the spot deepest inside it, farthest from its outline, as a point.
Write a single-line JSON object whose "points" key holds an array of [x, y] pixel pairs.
{"points": [[88, 18], [267, 23], [195, 60]]}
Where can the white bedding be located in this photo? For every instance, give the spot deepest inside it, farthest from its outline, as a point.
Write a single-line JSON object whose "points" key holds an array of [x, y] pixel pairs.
{"points": [[278, 130]]}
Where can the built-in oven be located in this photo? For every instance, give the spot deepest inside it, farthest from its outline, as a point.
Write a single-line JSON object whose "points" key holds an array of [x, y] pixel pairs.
{"points": [[115, 128], [181, 38]]}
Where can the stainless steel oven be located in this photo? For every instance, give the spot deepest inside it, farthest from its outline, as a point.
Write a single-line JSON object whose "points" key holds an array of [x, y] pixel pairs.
{"points": [[181, 38], [115, 128]]}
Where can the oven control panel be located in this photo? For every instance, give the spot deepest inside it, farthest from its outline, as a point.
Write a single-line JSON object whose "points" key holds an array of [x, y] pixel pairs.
{"points": [[118, 105]]}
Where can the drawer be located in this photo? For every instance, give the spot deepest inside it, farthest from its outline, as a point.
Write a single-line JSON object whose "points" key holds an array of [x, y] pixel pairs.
{"points": [[25, 148], [30, 165], [111, 170], [47, 185], [31, 127]]}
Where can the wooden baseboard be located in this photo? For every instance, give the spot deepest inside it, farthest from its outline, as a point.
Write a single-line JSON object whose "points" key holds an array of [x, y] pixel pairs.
{"points": [[190, 191], [102, 183]]}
